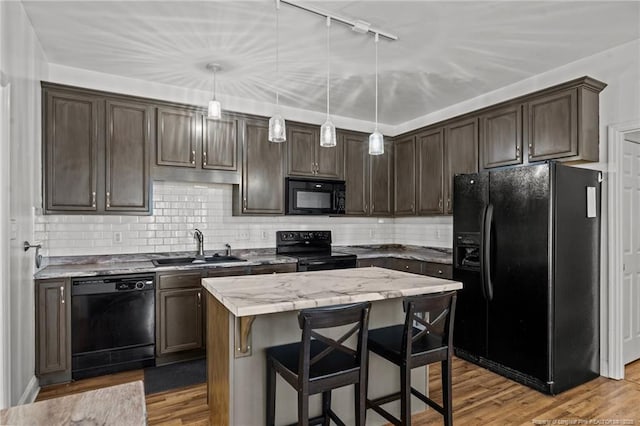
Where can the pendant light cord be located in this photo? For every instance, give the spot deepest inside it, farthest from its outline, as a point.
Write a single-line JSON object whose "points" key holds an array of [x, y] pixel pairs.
{"points": [[277, 49], [376, 41], [328, 60]]}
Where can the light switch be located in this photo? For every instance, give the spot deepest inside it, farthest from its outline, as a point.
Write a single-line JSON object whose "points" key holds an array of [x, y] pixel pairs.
{"points": [[591, 201]]}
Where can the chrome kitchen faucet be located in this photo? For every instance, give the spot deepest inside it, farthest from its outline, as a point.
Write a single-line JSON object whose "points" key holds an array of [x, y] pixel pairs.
{"points": [[200, 239]]}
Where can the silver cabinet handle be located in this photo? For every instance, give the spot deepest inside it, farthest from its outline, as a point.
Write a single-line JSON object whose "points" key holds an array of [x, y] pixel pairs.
{"points": [[193, 157], [93, 199], [449, 203], [62, 294], [244, 204], [412, 207], [440, 204], [199, 298], [365, 208], [108, 199], [204, 158], [517, 152], [530, 148], [440, 271], [317, 168]]}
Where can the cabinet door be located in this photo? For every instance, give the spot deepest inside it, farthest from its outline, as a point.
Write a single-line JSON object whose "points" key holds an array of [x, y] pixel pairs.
{"points": [[439, 270], [501, 137], [302, 141], [53, 317], [127, 156], [380, 262], [381, 182], [330, 161], [461, 154], [356, 173], [406, 265], [71, 151], [180, 320], [430, 181], [552, 126], [262, 171], [220, 144], [176, 143], [405, 176], [273, 269]]}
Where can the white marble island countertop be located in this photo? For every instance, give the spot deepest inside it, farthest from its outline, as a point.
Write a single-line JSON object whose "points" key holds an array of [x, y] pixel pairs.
{"points": [[266, 294]]}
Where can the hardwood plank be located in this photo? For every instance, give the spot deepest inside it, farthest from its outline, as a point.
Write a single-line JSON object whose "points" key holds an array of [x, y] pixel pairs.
{"points": [[480, 397]]}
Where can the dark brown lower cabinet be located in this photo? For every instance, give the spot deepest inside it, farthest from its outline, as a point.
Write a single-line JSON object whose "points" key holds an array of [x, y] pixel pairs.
{"points": [[181, 326], [53, 326], [179, 313], [273, 269]]}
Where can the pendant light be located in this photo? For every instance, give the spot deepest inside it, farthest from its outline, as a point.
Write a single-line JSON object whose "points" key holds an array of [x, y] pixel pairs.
{"points": [[214, 111], [277, 126], [376, 141], [328, 130]]}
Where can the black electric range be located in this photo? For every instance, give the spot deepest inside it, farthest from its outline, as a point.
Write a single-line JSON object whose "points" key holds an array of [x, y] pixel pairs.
{"points": [[313, 250]]}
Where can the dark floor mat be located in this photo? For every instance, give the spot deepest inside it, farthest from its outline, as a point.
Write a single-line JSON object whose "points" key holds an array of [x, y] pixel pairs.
{"points": [[173, 376]]}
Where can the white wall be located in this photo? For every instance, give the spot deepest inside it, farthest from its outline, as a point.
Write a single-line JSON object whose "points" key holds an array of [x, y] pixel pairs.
{"points": [[23, 65]]}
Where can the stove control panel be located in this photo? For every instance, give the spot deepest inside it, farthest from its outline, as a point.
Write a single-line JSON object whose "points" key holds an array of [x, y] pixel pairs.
{"points": [[301, 236]]}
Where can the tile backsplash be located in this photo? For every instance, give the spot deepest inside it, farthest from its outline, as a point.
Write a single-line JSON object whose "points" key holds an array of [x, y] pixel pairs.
{"points": [[178, 208]]}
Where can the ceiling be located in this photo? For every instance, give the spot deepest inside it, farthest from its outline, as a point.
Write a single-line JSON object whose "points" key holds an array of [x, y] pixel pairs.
{"points": [[447, 52]]}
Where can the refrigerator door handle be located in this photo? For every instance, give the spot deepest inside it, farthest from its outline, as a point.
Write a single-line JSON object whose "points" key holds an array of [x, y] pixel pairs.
{"points": [[483, 232], [487, 285]]}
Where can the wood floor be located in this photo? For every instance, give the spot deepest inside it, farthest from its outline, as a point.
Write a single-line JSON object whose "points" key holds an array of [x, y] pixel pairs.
{"points": [[480, 397]]}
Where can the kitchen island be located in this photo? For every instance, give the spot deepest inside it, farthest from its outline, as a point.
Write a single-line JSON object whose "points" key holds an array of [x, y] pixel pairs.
{"points": [[246, 314]]}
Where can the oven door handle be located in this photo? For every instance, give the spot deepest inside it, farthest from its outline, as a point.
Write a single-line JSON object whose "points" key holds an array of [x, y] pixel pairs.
{"points": [[315, 263]]}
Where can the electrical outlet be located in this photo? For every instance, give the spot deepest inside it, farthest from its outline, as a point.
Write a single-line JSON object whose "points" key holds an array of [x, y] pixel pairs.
{"points": [[243, 235], [117, 237], [437, 234], [372, 233], [263, 235]]}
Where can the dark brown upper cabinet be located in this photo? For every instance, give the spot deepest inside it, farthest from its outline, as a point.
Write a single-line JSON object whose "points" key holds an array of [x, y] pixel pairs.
{"points": [[219, 144], [306, 156], [405, 176], [96, 152], [501, 137], [127, 156], [176, 137], [430, 173], [368, 178], [263, 166], [461, 154], [356, 171], [563, 124], [70, 144], [381, 181]]}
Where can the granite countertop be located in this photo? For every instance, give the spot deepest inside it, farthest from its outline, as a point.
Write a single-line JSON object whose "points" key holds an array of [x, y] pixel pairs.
{"points": [[116, 405], [86, 266], [426, 254], [265, 294]]}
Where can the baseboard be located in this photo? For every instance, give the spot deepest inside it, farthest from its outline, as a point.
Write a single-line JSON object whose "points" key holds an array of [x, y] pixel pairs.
{"points": [[30, 393]]}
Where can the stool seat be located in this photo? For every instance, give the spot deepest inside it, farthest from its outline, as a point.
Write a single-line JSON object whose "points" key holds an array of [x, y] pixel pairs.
{"points": [[335, 363], [387, 342]]}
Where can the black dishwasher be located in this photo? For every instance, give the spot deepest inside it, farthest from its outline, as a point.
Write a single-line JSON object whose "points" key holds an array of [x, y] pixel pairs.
{"points": [[112, 324]]}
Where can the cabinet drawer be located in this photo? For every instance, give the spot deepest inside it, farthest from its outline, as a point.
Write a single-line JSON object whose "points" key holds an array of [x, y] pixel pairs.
{"points": [[406, 265], [179, 280], [380, 262], [440, 270], [227, 272], [273, 269]]}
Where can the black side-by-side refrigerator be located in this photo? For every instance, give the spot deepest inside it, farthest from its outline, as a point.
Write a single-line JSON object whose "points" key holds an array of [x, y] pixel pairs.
{"points": [[527, 249]]}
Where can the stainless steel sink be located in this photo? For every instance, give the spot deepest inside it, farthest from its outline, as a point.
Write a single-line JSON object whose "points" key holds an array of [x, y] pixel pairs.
{"points": [[194, 260]]}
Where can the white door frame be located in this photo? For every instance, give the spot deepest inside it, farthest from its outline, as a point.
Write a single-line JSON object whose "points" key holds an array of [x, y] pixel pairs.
{"points": [[5, 354], [615, 222]]}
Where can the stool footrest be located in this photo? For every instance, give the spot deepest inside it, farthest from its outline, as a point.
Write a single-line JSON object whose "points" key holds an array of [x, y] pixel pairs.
{"points": [[430, 402]]}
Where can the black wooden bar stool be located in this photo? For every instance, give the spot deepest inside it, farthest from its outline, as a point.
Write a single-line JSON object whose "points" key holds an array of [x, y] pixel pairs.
{"points": [[426, 337], [319, 364]]}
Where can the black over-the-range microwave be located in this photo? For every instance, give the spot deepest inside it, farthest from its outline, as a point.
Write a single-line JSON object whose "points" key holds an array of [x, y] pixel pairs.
{"points": [[313, 196]]}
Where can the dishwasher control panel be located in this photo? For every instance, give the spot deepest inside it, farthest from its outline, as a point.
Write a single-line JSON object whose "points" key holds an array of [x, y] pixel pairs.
{"points": [[112, 284]]}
